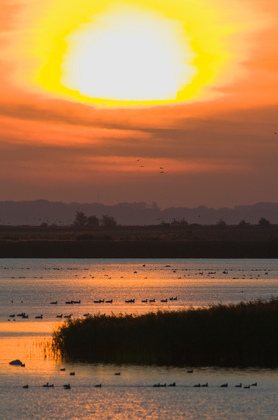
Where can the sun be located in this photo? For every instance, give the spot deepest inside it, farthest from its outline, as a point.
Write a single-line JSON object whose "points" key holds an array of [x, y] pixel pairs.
{"points": [[133, 53], [128, 55]]}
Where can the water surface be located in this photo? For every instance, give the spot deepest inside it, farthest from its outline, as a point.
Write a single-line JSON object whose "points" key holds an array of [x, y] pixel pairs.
{"points": [[29, 286]]}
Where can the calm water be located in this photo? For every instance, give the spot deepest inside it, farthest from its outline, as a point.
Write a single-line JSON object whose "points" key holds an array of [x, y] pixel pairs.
{"points": [[29, 286]]}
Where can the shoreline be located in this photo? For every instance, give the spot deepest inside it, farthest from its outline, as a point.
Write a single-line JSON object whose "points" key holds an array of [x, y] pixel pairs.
{"points": [[137, 249]]}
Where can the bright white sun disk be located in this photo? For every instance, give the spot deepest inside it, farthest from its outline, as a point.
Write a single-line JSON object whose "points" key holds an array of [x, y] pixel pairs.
{"points": [[128, 56]]}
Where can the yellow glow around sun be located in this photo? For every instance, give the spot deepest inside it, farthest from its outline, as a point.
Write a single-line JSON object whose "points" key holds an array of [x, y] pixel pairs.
{"points": [[132, 53], [128, 55]]}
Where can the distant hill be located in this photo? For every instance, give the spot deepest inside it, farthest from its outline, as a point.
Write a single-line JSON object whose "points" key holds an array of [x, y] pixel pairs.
{"points": [[43, 211]]}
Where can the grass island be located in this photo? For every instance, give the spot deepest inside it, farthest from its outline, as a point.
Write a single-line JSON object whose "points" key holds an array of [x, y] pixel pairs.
{"points": [[244, 334]]}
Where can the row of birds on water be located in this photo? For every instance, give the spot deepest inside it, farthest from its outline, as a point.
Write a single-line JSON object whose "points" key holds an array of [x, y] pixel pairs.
{"points": [[225, 385], [210, 274], [173, 268], [66, 386], [23, 315], [157, 385], [72, 302], [189, 272]]}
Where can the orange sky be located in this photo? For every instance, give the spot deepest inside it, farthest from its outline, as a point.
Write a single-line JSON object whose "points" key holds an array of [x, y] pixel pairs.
{"points": [[216, 142]]}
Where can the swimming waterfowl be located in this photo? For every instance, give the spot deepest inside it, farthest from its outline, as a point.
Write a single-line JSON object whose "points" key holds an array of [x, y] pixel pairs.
{"points": [[17, 362], [48, 385]]}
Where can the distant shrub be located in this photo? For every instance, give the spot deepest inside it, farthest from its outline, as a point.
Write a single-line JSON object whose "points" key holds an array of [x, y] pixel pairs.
{"points": [[108, 221], [221, 223], [243, 224], [264, 222]]}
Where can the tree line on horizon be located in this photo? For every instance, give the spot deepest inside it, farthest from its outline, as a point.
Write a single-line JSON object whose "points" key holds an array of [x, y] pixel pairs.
{"points": [[106, 221], [83, 221]]}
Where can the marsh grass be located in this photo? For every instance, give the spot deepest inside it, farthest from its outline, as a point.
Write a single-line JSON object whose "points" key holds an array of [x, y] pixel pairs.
{"points": [[244, 334]]}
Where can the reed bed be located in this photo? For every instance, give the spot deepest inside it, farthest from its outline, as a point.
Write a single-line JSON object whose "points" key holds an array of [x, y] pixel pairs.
{"points": [[244, 334]]}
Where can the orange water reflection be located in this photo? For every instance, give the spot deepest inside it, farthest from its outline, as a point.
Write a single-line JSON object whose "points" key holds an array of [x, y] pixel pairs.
{"points": [[26, 328]]}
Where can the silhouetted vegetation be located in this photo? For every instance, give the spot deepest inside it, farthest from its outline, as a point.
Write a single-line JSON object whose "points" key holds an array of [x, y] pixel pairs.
{"points": [[81, 221], [243, 335], [243, 224], [108, 221], [110, 240], [263, 222], [221, 224]]}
